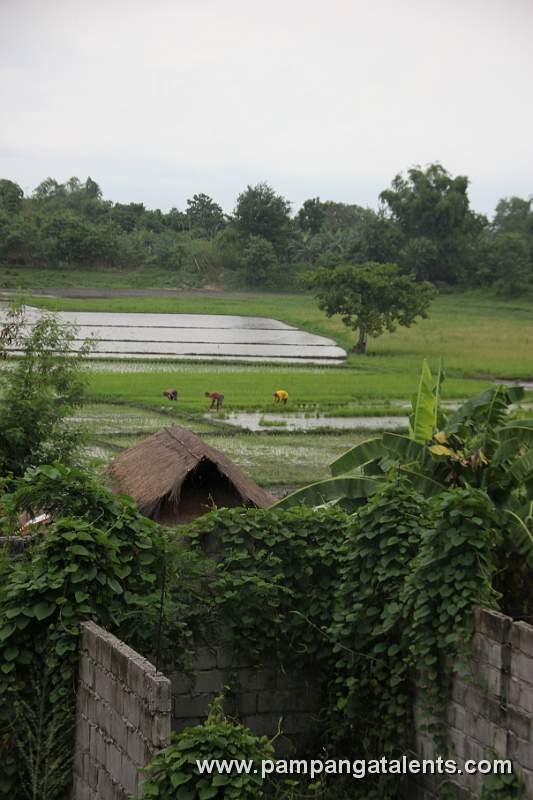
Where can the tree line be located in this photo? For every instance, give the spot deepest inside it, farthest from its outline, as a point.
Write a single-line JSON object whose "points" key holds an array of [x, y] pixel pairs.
{"points": [[424, 224]]}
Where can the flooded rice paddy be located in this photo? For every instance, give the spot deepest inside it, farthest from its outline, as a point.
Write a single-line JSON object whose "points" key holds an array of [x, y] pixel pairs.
{"points": [[256, 421], [156, 336]]}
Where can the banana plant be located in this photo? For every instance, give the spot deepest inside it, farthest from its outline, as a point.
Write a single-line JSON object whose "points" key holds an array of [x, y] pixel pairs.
{"points": [[478, 445]]}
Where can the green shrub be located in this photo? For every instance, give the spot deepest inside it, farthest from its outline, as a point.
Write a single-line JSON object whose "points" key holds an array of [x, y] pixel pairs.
{"points": [[173, 773]]}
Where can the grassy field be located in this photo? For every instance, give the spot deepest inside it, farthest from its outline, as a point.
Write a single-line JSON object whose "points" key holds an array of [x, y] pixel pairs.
{"points": [[476, 333], [335, 391]]}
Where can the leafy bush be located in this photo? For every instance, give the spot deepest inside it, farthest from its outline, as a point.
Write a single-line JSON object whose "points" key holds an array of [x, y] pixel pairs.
{"points": [[173, 773]]}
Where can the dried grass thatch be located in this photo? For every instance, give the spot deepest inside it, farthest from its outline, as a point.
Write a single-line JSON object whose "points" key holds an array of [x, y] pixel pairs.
{"points": [[174, 476]]}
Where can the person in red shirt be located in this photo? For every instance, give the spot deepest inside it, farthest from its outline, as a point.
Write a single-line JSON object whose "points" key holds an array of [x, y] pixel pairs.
{"points": [[216, 399]]}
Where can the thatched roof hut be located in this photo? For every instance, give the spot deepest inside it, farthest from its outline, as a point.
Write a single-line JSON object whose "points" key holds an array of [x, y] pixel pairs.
{"points": [[174, 476]]}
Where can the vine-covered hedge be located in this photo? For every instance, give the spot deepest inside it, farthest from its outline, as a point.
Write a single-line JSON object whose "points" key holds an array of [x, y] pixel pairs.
{"points": [[96, 560], [369, 602]]}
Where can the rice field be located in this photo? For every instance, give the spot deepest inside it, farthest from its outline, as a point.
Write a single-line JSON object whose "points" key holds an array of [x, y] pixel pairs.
{"points": [[479, 337]]}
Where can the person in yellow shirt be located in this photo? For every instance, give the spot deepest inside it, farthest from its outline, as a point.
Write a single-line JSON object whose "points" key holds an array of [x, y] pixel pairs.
{"points": [[281, 396]]}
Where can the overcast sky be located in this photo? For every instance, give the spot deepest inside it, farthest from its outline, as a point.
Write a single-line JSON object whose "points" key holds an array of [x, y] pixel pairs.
{"points": [[159, 99]]}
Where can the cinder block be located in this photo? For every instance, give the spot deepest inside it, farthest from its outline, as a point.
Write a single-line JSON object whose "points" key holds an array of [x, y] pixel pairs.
{"points": [[273, 701], [113, 761], [130, 773], [211, 680], [523, 637], [137, 678], [135, 748], [86, 671], [80, 790], [119, 664], [499, 740], [524, 753], [486, 649], [187, 706], [522, 667], [487, 677], [247, 703], [459, 689], [226, 657], [519, 722], [160, 733], [117, 696], [482, 730], [495, 625], [181, 683], [103, 651], [263, 724], [206, 658], [159, 694], [103, 684], [257, 679]]}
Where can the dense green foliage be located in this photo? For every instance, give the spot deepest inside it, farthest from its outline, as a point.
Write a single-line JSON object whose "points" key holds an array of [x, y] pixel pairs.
{"points": [[96, 561], [425, 226]]}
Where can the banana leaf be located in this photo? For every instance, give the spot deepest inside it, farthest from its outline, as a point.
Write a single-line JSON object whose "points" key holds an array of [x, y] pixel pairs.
{"points": [[358, 456], [426, 485], [522, 468], [332, 489], [490, 405], [423, 420], [519, 524], [402, 446]]}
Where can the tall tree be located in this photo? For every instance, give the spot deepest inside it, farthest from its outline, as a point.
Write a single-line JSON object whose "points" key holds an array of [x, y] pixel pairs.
{"points": [[509, 263], [311, 216], [432, 205], [370, 298], [11, 196], [205, 215], [262, 212]]}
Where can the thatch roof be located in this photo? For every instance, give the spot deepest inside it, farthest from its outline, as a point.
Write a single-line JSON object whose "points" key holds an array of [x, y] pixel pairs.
{"points": [[157, 467]]}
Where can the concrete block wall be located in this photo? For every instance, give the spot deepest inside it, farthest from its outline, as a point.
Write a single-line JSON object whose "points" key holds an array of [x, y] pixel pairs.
{"points": [[491, 714], [263, 698], [123, 717]]}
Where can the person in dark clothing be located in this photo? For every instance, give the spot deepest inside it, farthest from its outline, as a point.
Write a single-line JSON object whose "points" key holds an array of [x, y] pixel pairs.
{"points": [[172, 394]]}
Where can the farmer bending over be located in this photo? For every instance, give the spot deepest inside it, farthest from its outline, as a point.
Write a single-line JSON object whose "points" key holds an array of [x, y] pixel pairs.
{"points": [[281, 396], [216, 399], [172, 394]]}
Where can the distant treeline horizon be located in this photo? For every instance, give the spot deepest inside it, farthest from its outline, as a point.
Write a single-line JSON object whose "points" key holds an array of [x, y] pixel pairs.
{"points": [[424, 224]]}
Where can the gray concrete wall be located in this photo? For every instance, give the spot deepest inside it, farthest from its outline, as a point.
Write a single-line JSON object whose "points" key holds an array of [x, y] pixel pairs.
{"points": [[263, 698], [123, 716], [491, 715]]}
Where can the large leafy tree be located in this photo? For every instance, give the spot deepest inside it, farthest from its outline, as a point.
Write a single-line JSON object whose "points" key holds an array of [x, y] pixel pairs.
{"points": [[311, 216], [260, 263], [509, 264], [204, 215], [262, 212], [370, 298], [11, 196], [432, 205]]}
